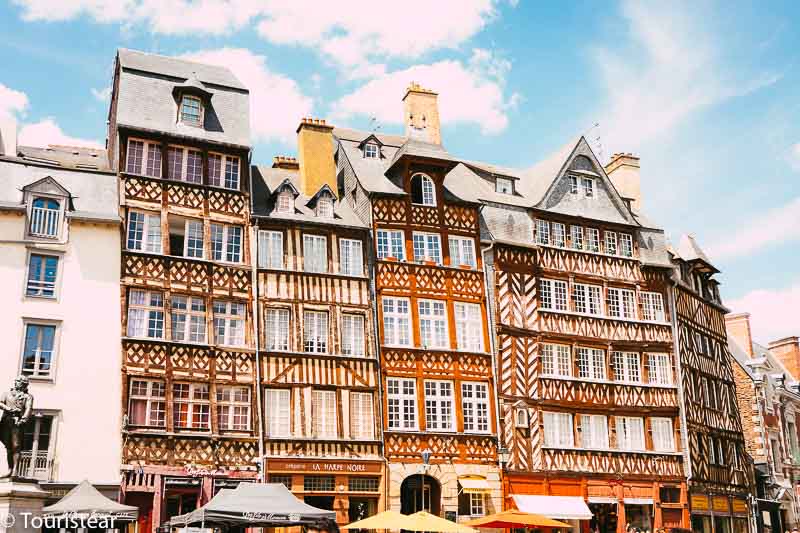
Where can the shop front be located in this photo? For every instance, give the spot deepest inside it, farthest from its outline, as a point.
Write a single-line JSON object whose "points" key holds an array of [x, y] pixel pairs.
{"points": [[719, 513]]}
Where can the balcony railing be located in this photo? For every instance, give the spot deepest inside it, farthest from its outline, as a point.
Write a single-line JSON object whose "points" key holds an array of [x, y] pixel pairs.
{"points": [[44, 222], [35, 466]]}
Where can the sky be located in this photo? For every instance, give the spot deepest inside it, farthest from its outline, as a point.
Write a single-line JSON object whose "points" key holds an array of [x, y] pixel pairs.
{"points": [[706, 93]]}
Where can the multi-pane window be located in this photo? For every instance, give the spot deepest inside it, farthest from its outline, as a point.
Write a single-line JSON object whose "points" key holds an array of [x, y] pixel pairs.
{"points": [[193, 246], [475, 407], [391, 243], [660, 369], [630, 433], [145, 314], [576, 236], [144, 232], [558, 430], [591, 363], [542, 231], [503, 186], [476, 504], [270, 249], [147, 403], [353, 335], [422, 190], [42, 273], [663, 436], [152, 165], [324, 208], [229, 323], [37, 352], [401, 401], [427, 247], [439, 406], [135, 156], [319, 483], [558, 234], [277, 330], [556, 360], [315, 253], [587, 298], [233, 408], [594, 431], [363, 484], [573, 184], [44, 218], [652, 306], [587, 184], [226, 243], [593, 239], [315, 331], [285, 203], [188, 319], [469, 327], [191, 408], [371, 151], [553, 294], [462, 251], [620, 303], [278, 412], [626, 244], [627, 367], [194, 166], [215, 169], [611, 242], [396, 321], [433, 323], [231, 173], [174, 163], [362, 420], [191, 110], [323, 414], [143, 158], [351, 259]]}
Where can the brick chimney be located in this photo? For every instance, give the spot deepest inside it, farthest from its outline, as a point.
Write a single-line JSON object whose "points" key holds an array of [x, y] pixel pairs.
{"points": [[315, 152], [623, 169], [421, 108], [738, 327], [787, 351], [285, 162], [8, 136]]}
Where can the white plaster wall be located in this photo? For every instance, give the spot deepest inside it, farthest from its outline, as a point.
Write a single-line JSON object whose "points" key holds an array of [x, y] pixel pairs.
{"points": [[86, 391]]}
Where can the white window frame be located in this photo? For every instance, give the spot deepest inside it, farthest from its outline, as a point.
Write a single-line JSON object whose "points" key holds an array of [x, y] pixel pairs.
{"points": [[627, 366], [559, 431], [652, 305], [630, 433], [663, 434], [626, 245], [611, 243], [433, 330], [285, 201], [36, 373], [150, 240], [594, 431], [427, 247], [556, 360], [389, 243], [278, 411], [587, 186], [151, 402], [145, 168], [228, 251], [504, 185], [393, 319], [184, 164], [475, 408], [270, 249], [45, 222], [190, 232], [440, 399], [558, 234], [276, 330], [553, 295], [469, 326], [542, 232], [150, 313], [462, 251], [229, 327], [233, 407], [194, 410], [324, 417], [324, 207], [371, 151], [587, 299], [353, 335], [659, 368], [193, 312], [39, 286], [362, 416], [316, 331], [351, 257], [200, 111], [231, 180], [401, 400], [591, 363], [477, 504], [429, 195], [621, 303], [315, 253], [573, 184], [593, 240], [576, 235]]}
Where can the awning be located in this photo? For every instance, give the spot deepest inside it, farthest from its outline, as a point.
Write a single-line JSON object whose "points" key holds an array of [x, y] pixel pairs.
{"points": [[602, 499], [559, 507], [474, 484], [639, 501]]}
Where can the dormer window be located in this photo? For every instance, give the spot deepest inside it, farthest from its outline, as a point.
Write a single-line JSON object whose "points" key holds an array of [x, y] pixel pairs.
{"points": [[504, 186], [587, 185], [191, 110], [44, 217], [325, 207], [285, 202], [422, 190], [371, 151]]}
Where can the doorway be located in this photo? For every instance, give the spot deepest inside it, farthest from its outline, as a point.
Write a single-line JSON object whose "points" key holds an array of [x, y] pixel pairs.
{"points": [[604, 517], [420, 493]]}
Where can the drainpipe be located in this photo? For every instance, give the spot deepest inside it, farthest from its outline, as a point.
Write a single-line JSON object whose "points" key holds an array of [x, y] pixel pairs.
{"points": [[262, 474], [681, 399]]}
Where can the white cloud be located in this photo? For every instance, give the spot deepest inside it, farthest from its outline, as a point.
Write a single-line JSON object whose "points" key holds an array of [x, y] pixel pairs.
{"points": [[12, 102], [47, 132], [794, 157], [471, 93], [773, 312], [777, 225], [276, 102], [102, 95]]}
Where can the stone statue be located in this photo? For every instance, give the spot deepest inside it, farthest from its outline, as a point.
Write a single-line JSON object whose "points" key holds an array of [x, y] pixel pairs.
{"points": [[16, 406]]}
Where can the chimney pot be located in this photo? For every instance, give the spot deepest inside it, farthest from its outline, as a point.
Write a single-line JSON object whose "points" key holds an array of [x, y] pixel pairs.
{"points": [[624, 172], [787, 351], [315, 155], [421, 112], [737, 326]]}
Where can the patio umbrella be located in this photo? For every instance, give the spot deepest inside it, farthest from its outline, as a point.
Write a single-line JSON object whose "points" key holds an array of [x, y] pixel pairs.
{"points": [[423, 521], [384, 520], [515, 519]]}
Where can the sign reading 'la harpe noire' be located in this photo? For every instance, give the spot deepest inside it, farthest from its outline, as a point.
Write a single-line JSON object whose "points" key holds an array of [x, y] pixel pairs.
{"points": [[344, 467]]}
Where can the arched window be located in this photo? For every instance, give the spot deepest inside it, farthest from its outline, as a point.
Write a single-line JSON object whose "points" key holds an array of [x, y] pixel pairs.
{"points": [[44, 217], [422, 190], [582, 162], [522, 418]]}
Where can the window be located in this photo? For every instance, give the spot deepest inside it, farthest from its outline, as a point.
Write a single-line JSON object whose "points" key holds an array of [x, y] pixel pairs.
{"points": [[611, 242], [147, 403], [362, 421], [663, 436], [558, 430], [315, 253], [776, 456], [576, 236], [427, 247], [439, 406], [191, 110], [422, 190], [277, 330], [42, 273], [134, 157], [433, 324], [469, 327], [720, 451], [660, 368], [323, 412], [188, 319], [553, 294], [145, 314], [711, 449], [371, 151], [226, 243], [215, 169], [573, 184], [476, 500], [402, 403], [190, 406], [558, 234], [37, 353], [652, 306], [233, 408], [315, 332], [228, 323], [591, 363], [231, 173], [174, 163], [594, 431], [143, 158], [475, 407], [324, 208], [586, 298], [194, 166], [462, 251], [542, 231], [630, 433], [626, 244], [593, 239], [620, 303], [588, 187], [391, 243], [627, 367], [185, 237], [363, 484], [44, 217], [194, 239], [556, 360], [353, 335], [216, 163], [351, 259], [319, 483], [144, 232], [285, 203], [278, 412], [270, 249], [396, 321], [504, 186]]}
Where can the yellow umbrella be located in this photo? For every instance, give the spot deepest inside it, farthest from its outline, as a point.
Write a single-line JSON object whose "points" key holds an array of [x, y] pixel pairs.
{"points": [[422, 521], [384, 520], [515, 519]]}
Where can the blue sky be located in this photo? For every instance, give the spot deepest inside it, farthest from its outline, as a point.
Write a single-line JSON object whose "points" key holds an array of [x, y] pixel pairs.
{"points": [[705, 93]]}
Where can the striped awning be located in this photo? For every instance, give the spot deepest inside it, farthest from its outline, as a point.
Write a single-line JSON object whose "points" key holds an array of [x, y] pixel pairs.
{"points": [[474, 484]]}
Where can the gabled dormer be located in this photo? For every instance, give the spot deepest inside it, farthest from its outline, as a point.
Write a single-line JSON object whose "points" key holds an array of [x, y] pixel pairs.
{"points": [[284, 197], [193, 99], [46, 204], [371, 148], [322, 203]]}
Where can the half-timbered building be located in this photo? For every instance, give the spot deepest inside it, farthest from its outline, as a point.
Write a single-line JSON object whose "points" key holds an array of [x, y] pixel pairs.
{"points": [[179, 139]]}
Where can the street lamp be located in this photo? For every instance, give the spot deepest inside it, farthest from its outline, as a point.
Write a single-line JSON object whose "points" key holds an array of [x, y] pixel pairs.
{"points": [[426, 464], [503, 456]]}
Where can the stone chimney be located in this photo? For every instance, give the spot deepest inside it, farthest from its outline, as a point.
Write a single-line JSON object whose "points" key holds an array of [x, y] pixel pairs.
{"points": [[623, 169], [787, 351], [738, 327], [285, 162], [8, 136], [315, 152], [421, 108]]}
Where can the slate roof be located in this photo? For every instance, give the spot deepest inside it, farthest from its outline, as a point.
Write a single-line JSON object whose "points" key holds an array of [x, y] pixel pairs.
{"points": [[537, 179], [66, 156], [689, 250], [740, 356]]}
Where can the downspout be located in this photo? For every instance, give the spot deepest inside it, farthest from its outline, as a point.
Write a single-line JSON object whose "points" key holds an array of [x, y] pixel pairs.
{"points": [[262, 475], [681, 399]]}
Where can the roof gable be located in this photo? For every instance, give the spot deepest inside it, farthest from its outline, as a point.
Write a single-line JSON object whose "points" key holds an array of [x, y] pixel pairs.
{"points": [[46, 185], [325, 190]]}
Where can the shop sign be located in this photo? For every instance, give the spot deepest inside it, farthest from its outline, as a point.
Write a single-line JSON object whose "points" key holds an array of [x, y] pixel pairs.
{"points": [[721, 504], [327, 466], [699, 502], [196, 471], [739, 506]]}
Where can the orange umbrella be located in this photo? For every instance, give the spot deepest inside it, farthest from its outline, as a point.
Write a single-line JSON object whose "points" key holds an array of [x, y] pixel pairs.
{"points": [[514, 519]]}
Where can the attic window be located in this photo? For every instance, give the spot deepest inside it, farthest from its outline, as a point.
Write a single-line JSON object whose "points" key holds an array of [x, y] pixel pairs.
{"points": [[371, 151], [325, 207], [191, 110], [422, 190], [504, 186], [587, 184], [285, 201]]}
